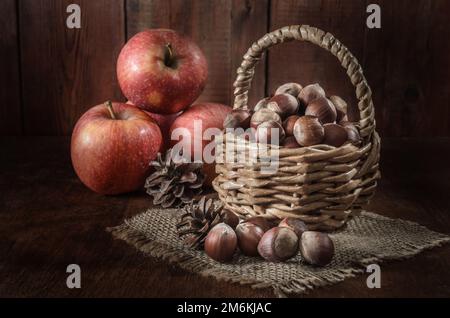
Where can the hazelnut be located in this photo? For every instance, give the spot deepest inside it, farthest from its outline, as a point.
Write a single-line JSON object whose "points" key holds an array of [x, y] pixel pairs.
{"points": [[289, 88], [308, 131], [283, 104], [249, 134], [261, 104], [278, 244], [316, 248], [270, 132], [290, 142], [248, 236], [335, 135], [352, 132], [353, 135], [221, 242], [263, 115], [288, 125], [230, 218], [237, 118], [341, 108], [295, 225], [323, 109], [310, 93], [260, 221]]}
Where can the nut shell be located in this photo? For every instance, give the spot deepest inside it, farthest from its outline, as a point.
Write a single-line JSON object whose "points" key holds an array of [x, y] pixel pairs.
{"points": [[341, 108], [261, 104], [283, 104], [323, 109], [221, 243], [230, 218], [290, 142], [353, 136], [248, 236], [310, 93], [352, 132], [270, 132], [263, 223], [237, 118], [316, 248], [289, 123], [308, 131], [295, 225], [264, 115], [278, 244], [289, 88], [335, 135]]}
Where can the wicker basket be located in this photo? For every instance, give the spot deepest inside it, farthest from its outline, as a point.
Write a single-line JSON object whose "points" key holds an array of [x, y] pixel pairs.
{"points": [[321, 185]]}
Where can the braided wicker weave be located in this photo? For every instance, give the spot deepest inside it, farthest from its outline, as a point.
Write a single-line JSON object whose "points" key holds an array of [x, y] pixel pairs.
{"points": [[321, 185]]}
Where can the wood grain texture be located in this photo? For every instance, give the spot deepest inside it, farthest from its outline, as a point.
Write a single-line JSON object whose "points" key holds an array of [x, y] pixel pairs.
{"points": [[407, 63], [207, 22], [250, 20], [375, 68], [10, 107], [66, 71], [58, 221], [306, 64]]}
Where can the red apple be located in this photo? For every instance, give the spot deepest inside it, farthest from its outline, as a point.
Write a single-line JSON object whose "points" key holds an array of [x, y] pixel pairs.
{"points": [[112, 147], [164, 122], [161, 71], [190, 127]]}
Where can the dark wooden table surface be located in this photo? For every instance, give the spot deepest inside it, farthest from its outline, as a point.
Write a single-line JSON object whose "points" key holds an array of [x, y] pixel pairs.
{"points": [[48, 220]]}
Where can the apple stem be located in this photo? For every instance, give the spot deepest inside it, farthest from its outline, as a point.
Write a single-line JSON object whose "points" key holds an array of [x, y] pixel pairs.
{"points": [[110, 109], [168, 57]]}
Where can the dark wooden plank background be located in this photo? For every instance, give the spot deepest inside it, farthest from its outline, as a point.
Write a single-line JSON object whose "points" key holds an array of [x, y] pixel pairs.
{"points": [[10, 106], [51, 74], [66, 71]]}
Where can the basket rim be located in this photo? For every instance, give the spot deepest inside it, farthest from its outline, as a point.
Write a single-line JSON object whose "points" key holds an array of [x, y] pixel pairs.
{"points": [[328, 42], [318, 147]]}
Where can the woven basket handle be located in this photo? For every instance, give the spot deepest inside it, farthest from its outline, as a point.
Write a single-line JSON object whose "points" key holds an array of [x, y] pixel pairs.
{"points": [[325, 40]]}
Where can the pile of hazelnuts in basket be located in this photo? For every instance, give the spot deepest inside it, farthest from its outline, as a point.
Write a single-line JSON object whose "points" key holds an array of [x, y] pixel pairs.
{"points": [[258, 236], [300, 116]]}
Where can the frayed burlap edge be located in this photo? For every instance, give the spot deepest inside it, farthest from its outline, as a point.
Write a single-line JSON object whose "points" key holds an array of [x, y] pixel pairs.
{"points": [[282, 289]]}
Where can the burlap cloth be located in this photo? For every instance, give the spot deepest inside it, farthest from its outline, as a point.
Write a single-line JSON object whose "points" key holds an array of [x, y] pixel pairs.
{"points": [[368, 238]]}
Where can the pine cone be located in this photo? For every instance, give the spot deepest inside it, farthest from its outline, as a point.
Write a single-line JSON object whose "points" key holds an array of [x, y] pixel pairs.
{"points": [[174, 183], [200, 217]]}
